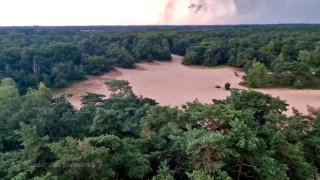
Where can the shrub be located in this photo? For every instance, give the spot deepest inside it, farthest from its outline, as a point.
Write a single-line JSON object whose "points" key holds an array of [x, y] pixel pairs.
{"points": [[227, 86]]}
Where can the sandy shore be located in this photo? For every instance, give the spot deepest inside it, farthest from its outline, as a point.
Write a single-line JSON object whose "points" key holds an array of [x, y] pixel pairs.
{"points": [[171, 83]]}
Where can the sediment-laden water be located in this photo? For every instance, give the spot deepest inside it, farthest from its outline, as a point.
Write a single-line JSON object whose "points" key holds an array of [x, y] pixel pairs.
{"points": [[171, 83]]}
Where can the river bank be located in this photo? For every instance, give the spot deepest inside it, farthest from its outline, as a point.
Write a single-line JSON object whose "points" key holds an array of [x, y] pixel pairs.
{"points": [[171, 83]]}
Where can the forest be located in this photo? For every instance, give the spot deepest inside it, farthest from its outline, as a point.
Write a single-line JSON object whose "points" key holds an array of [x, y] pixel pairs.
{"points": [[289, 56], [128, 136]]}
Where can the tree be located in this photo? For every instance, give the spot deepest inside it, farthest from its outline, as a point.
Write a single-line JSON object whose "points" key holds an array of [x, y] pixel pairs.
{"points": [[10, 103], [166, 52], [143, 49], [124, 156], [316, 56], [202, 175], [305, 57], [120, 56], [190, 58], [30, 162], [119, 87], [63, 52], [164, 172], [257, 75], [76, 159], [97, 64], [92, 98]]}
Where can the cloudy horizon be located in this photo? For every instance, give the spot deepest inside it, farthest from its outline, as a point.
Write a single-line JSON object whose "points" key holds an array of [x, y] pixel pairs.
{"points": [[156, 12]]}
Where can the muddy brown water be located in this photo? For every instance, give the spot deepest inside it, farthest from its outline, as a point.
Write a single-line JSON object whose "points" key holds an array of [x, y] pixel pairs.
{"points": [[173, 84]]}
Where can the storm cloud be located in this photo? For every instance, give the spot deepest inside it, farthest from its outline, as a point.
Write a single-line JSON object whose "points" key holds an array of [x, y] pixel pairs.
{"points": [[242, 11]]}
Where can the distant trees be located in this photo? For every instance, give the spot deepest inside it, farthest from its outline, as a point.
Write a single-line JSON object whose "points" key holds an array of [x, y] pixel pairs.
{"points": [[305, 57], [58, 57], [239, 47], [143, 49], [97, 64], [62, 73], [293, 74], [120, 56], [206, 54], [310, 58], [152, 50], [257, 75], [190, 58]]}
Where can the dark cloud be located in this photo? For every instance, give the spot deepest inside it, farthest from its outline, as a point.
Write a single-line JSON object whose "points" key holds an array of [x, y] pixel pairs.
{"points": [[252, 11], [200, 5]]}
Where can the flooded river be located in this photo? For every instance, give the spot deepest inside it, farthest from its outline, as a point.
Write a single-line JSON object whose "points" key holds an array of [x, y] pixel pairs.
{"points": [[171, 83]]}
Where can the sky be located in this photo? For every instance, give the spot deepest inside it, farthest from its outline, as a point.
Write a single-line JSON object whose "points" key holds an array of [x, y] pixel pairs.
{"points": [[156, 12]]}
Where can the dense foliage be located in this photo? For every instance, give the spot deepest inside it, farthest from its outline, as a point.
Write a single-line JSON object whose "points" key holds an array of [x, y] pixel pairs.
{"points": [[257, 75], [57, 56], [126, 136], [291, 54]]}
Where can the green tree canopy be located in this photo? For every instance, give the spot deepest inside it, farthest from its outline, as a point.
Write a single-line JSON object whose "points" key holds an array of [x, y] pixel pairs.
{"points": [[257, 75]]}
